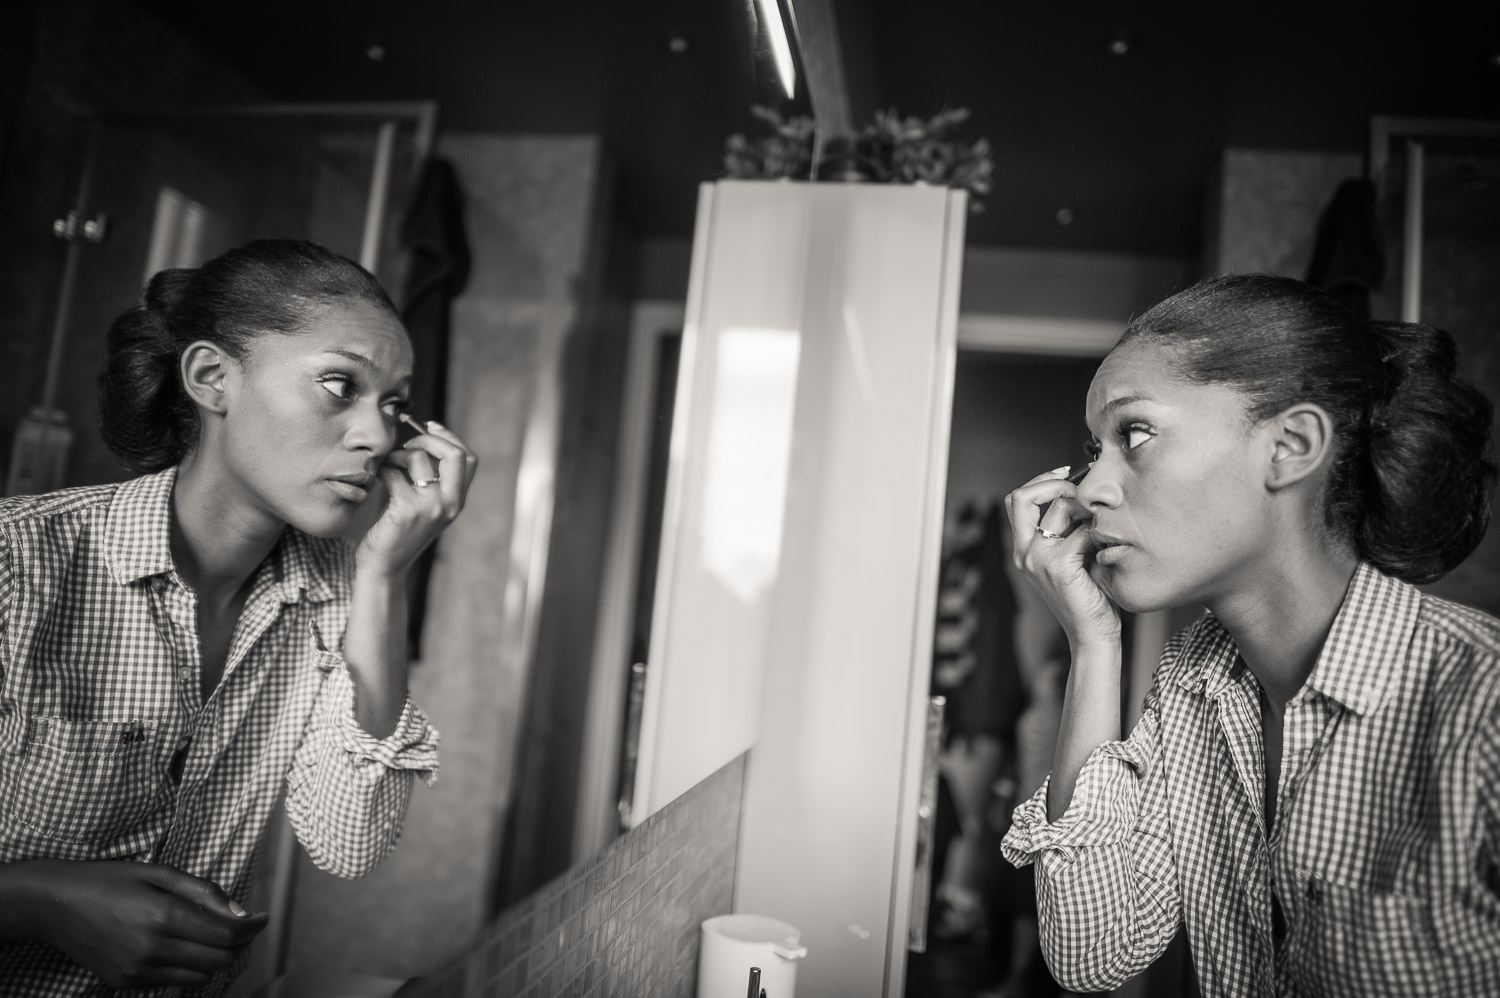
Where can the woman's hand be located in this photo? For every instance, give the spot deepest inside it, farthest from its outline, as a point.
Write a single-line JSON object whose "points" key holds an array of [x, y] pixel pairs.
{"points": [[131, 924], [1058, 565], [426, 482]]}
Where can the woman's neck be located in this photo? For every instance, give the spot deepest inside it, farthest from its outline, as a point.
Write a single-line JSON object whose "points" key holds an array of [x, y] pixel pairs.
{"points": [[1281, 617], [218, 537]]}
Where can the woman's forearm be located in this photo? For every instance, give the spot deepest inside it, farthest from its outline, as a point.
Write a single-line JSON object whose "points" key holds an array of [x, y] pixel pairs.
{"points": [[1090, 717], [375, 650]]}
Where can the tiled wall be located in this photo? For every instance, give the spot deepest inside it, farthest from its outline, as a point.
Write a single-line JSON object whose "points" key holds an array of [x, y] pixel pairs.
{"points": [[623, 924]]}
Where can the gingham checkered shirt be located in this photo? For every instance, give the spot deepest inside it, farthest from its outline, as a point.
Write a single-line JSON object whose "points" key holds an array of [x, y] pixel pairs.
{"points": [[1385, 855], [100, 689]]}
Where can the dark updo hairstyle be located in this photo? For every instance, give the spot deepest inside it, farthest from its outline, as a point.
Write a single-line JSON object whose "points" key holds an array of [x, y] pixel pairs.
{"points": [[269, 285], [1413, 471]]}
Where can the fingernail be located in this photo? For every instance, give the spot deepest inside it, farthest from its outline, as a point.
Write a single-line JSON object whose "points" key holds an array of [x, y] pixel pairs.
{"points": [[432, 422], [235, 907], [1060, 471]]}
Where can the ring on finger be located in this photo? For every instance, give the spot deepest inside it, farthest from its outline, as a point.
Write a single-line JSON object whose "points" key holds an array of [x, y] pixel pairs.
{"points": [[1049, 534], [422, 483]]}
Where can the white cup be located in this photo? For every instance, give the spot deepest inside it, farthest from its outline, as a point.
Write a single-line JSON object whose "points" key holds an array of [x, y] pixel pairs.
{"points": [[732, 944]]}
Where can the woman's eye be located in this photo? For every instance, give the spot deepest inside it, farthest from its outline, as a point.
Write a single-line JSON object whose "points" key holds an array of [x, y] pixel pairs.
{"points": [[395, 407], [1135, 436], [337, 385], [1091, 448]]}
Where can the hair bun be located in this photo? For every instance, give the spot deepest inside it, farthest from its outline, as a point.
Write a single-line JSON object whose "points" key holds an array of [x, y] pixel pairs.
{"points": [[144, 414], [166, 290], [1431, 461]]}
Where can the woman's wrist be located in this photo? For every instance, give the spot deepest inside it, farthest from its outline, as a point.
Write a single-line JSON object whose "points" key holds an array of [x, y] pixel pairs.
{"points": [[1095, 647], [25, 900], [375, 569]]}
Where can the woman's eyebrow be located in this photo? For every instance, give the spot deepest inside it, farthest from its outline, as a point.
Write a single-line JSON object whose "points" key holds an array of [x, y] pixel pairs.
{"points": [[364, 362], [358, 358], [1124, 400]]}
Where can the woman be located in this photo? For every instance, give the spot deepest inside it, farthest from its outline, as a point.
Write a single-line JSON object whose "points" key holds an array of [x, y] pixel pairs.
{"points": [[1314, 784], [176, 649]]}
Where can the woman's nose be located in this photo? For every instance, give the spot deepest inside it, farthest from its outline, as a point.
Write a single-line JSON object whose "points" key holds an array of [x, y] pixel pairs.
{"points": [[369, 429], [1100, 487]]}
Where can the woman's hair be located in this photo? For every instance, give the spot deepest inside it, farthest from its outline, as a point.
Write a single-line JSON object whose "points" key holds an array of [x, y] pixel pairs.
{"points": [[266, 286], [1413, 469]]}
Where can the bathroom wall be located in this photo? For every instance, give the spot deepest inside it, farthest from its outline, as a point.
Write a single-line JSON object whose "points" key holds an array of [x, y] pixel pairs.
{"points": [[1264, 218], [624, 924], [1264, 215], [536, 210], [83, 56], [997, 280]]}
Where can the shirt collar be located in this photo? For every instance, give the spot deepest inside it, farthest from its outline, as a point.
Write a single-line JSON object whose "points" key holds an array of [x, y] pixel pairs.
{"points": [[1368, 643], [138, 543], [1365, 647], [138, 529]]}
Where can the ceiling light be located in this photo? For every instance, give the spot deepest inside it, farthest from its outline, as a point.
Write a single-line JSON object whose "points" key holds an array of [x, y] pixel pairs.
{"points": [[375, 52], [676, 44], [1120, 44], [1065, 216], [781, 48]]}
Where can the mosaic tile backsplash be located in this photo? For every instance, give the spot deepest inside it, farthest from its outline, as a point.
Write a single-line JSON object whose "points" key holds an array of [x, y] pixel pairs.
{"points": [[623, 925]]}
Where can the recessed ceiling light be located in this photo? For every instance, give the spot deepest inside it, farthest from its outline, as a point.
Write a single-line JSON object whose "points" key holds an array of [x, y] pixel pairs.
{"points": [[375, 52], [1120, 45], [677, 44], [1065, 216]]}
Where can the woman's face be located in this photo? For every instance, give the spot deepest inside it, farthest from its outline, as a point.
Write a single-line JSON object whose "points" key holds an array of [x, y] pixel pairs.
{"points": [[315, 413], [1177, 493]]}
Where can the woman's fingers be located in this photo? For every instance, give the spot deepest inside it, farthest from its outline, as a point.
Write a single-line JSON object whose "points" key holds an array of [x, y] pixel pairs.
{"points": [[471, 461], [454, 465], [1023, 506]]}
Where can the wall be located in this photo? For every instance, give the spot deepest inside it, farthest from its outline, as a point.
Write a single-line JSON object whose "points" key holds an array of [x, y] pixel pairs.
{"points": [[1266, 218], [997, 280], [532, 204], [623, 924], [84, 57], [1461, 293]]}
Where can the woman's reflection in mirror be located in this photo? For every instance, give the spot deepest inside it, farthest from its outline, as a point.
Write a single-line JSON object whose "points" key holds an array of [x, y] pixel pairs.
{"points": [[1313, 787]]}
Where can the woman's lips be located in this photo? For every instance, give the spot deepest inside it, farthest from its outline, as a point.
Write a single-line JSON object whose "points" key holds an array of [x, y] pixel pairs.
{"points": [[1111, 554], [1107, 550], [351, 489]]}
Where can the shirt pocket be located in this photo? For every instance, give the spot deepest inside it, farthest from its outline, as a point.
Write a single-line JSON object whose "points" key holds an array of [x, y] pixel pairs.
{"points": [[1358, 942], [83, 782]]}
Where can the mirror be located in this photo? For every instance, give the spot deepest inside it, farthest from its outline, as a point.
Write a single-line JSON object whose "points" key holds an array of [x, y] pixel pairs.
{"points": [[579, 133]]}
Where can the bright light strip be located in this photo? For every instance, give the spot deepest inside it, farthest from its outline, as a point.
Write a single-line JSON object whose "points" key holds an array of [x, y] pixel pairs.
{"points": [[781, 49]]}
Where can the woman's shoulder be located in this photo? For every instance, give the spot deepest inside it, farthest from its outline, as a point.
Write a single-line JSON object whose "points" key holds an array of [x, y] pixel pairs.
{"points": [[1461, 623], [1464, 643], [62, 504]]}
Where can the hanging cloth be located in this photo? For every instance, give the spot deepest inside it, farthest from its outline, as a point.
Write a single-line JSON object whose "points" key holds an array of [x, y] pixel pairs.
{"points": [[1348, 259]]}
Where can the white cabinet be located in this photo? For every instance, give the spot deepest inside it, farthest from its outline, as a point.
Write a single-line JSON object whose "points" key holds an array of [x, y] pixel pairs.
{"points": [[795, 600]]}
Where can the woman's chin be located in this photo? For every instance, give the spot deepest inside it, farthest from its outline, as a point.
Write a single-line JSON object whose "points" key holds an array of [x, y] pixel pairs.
{"points": [[328, 522], [1129, 594]]}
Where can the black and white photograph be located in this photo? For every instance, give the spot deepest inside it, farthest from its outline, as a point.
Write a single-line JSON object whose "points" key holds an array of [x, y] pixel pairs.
{"points": [[766, 498]]}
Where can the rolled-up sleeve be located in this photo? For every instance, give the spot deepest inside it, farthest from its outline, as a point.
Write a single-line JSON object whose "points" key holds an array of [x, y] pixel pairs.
{"points": [[347, 791], [1107, 896]]}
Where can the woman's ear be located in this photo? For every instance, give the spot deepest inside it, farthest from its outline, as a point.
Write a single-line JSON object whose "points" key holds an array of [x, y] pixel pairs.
{"points": [[206, 370], [1302, 441]]}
